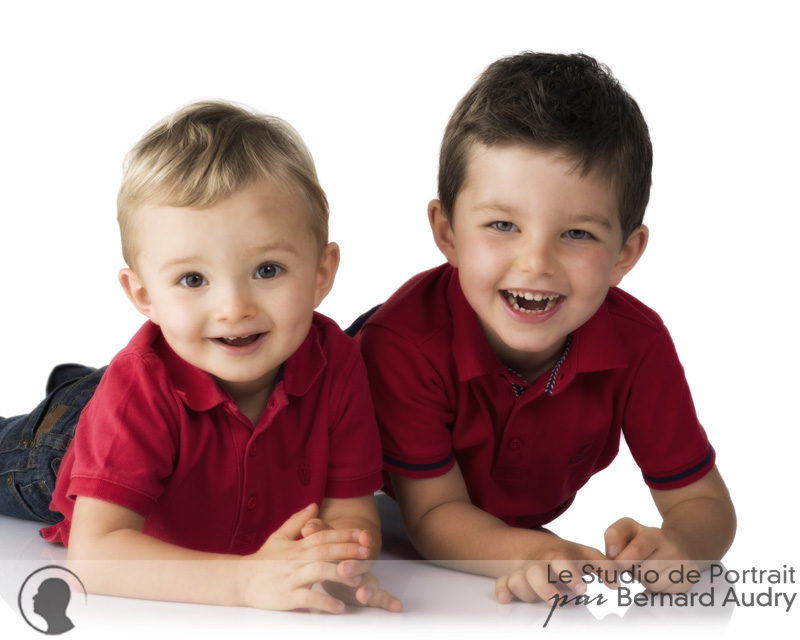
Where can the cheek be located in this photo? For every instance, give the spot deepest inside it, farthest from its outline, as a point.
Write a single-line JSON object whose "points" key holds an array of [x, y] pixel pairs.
{"points": [[178, 318], [292, 305], [591, 270], [483, 261]]}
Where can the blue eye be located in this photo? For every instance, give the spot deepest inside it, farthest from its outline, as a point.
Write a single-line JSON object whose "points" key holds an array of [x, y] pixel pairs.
{"points": [[578, 234], [192, 280], [268, 270], [503, 225]]}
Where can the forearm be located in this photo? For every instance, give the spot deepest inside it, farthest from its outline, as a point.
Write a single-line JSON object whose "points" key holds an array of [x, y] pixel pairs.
{"points": [[699, 518], [131, 564], [461, 536], [702, 528]]}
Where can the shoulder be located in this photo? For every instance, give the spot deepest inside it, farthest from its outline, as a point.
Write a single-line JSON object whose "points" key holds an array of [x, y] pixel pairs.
{"points": [[418, 311], [640, 329], [637, 325], [331, 339], [140, 365], [625, 308]]}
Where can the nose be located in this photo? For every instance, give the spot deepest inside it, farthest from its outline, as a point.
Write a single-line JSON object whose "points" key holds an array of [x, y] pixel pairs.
{"points": [[538, 256], [234, 303]]}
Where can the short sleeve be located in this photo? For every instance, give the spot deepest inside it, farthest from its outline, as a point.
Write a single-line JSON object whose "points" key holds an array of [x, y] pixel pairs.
{"points": [[354, 453], [660, 423], [126, 440], [413, 404]]}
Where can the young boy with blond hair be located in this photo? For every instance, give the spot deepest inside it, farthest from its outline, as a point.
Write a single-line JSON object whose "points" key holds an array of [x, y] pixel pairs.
{"points": [[229, 454], [504, 379]]}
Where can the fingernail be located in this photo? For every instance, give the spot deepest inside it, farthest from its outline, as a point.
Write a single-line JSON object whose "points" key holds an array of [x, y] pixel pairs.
{"points": [[612, 551], [363, 551]]}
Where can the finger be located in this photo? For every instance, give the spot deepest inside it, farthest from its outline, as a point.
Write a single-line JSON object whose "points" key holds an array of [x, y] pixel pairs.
{"points": [[309, 599], [373, 596], [619, 534], [567, 572], [317, 572], [594, 562], [639, 548], [336, 552], [290, 530], [331, 536], [350, 568], [531, 585], [313, 526], [501, 590], [366, 538]]}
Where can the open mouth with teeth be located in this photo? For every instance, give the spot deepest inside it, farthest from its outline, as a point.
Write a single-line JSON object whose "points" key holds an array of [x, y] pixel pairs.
{"points": [[242, 341], [528, 302]]}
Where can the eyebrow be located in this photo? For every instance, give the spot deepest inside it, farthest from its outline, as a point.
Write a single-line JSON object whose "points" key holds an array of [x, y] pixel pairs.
{"points": [[279, 246], [591, 218], [581, 218]]}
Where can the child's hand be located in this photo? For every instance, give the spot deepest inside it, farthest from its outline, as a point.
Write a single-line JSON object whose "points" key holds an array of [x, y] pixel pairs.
{"points": [[630, 543], [366, 592], [280, 575], [561, 563]]}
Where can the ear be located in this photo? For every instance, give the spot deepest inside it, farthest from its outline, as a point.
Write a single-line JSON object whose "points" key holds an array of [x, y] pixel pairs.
{"points": [[136, 292], [442, 232], [631, 251], [326, 272]]}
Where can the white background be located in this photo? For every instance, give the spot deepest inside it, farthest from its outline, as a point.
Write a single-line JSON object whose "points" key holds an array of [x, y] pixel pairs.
{"points": [[370, 87]]}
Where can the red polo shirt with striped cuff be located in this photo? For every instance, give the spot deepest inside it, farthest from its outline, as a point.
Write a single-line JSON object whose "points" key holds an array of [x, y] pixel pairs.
{"points": [[525, 449], [162, 438]]}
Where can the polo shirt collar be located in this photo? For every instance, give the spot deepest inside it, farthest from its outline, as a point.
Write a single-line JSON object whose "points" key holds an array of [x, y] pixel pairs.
{"points": [[596, 346], [471, 351], [201, 392]]}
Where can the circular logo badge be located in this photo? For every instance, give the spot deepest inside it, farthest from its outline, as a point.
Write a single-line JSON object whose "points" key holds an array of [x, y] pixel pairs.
{"points": [[45, 597]]}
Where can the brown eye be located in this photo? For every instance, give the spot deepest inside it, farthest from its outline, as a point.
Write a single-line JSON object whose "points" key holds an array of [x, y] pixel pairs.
{"points": [[268, 270], [192, 280]]}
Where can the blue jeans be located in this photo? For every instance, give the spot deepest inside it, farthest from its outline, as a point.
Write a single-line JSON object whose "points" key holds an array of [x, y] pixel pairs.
{"points": [[32, 445]]}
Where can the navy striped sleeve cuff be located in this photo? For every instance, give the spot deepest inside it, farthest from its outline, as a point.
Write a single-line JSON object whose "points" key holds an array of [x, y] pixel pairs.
{"points": [[677, 479], [414, 467]]}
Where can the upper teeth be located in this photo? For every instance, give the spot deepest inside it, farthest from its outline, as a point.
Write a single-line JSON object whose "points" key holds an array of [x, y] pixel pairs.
{"points": [[538, 297]]}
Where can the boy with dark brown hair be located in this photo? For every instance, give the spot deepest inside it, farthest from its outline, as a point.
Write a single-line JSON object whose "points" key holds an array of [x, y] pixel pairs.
{"points": [[504, 379]]}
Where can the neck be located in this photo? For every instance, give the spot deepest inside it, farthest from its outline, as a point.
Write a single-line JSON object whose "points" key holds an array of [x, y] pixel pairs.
{"points": [[251, 397]]}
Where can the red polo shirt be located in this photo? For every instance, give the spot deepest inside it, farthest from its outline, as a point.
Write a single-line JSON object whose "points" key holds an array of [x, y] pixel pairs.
{"points": [[160, 437], [441, 395]]}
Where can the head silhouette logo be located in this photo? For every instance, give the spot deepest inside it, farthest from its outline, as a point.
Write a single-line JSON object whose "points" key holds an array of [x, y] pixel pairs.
{"points": [[46, 594]]}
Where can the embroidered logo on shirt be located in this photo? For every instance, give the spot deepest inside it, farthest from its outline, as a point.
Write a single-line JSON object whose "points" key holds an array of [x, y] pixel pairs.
{"points": [[304, 473], [579, 453]]}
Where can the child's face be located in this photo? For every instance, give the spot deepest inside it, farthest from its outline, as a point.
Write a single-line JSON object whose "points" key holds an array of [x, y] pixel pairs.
{"points": [[233, 286], [526, 226]]}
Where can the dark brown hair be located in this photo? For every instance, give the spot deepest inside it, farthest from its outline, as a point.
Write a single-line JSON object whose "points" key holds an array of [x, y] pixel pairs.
{"points": [[554, 102]]}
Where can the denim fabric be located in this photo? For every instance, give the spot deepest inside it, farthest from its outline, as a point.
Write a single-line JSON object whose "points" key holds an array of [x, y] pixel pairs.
{"points": [[32, 445]]}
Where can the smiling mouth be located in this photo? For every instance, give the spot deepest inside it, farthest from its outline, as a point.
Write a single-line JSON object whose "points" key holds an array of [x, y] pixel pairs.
{"points": [[528, 302], [242, 341]]}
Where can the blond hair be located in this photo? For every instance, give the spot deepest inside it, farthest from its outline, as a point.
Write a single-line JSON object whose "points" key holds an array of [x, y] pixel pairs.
{"points": [[204, 153]]}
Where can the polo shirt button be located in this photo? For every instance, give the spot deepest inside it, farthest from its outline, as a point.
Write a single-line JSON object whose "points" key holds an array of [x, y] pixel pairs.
{"points": [[253, 449], [251, 503], [515, 444]]}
